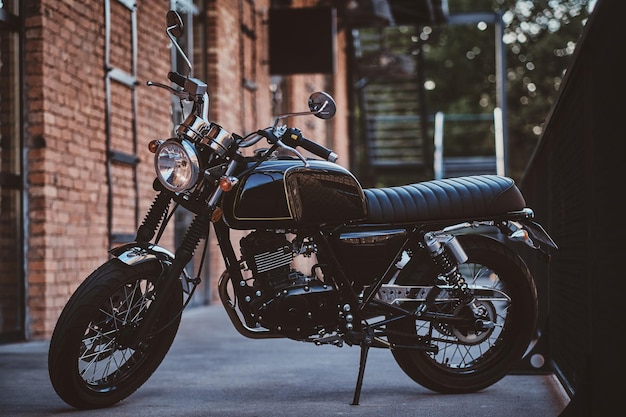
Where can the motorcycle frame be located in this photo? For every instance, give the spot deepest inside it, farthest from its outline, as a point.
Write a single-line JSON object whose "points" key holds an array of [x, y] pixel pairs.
{"points": [[354, 311], [360, 308]]}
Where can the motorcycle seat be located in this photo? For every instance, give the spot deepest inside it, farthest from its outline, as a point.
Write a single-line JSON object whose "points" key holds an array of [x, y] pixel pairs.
{"points": [[469, 197]]}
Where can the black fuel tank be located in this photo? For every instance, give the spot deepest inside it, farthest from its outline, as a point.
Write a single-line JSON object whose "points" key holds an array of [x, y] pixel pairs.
{"points": [[285, 194]]}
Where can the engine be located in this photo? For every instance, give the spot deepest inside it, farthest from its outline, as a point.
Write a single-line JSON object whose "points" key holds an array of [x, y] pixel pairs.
{"points": [[281, 298]]}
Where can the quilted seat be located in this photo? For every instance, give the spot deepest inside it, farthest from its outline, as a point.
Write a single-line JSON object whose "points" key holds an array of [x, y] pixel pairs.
{"points": [[476, 196]]}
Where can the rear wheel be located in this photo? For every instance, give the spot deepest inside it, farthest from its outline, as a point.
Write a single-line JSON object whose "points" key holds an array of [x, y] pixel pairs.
{"points": [[89, 362], [468, 359]]}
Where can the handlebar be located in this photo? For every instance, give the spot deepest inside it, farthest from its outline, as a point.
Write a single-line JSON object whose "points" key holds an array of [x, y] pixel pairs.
{"points": [[193, 86], [193, 89], [293, 137], [290, 138]]}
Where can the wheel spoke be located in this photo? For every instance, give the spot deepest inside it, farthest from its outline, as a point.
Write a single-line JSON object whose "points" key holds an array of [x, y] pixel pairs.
{"points": [[466, 355], [102, 358], [100, 347], [463, 348], [91, 362]]}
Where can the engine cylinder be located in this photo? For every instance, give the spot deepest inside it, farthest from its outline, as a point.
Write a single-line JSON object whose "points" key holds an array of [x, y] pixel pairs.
{"points": [[269, 256], [283, 299]]}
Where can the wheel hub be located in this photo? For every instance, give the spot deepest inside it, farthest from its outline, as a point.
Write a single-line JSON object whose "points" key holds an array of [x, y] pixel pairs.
{"points": [[480, 331]]}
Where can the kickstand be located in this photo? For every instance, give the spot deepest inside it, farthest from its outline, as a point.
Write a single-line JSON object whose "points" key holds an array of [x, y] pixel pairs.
{"points": [[359, 382]]}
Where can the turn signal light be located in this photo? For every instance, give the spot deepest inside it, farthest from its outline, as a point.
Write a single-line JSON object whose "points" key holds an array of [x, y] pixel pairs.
{"points": [[521, 235], [217, 215], [228, 183], [154, 144]]}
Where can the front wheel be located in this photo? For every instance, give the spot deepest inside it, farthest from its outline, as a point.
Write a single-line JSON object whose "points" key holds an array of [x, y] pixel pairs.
{"points": [[469, 360], [89, 363]]}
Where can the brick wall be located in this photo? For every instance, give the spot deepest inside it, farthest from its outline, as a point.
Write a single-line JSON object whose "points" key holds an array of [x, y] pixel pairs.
{"points": [[66, 141], [234, 58]]}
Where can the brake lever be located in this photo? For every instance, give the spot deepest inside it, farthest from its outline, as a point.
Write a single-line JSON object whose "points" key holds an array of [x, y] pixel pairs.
{"points": [[294, 151], [273, 136], [178, 93]]}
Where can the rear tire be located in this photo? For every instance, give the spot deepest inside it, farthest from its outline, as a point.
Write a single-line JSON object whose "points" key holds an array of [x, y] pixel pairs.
{"points": [[89, 365], [469, 361]]}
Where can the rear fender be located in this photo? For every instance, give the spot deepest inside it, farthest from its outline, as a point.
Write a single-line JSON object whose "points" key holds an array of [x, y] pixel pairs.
{"points": [[516, 225]]}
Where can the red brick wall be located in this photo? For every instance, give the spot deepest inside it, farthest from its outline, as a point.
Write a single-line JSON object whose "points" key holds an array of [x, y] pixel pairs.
{"points": [[233, 57], [66, 140]]}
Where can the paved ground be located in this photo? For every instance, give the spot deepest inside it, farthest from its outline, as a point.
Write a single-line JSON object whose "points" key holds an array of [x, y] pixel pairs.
{"points": [[211, 370]]}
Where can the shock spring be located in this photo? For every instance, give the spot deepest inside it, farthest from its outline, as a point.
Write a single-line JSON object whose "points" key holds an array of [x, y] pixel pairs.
{"points": [[449, 268]]}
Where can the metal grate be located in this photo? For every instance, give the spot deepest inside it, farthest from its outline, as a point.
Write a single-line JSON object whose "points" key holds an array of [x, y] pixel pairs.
{"points": [[389, 97]]}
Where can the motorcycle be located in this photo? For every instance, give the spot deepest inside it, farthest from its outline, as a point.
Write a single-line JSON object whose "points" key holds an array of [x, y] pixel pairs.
{"points": [[422, 270]]}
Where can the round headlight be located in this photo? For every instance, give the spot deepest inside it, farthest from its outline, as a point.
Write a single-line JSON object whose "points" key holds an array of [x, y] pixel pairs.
{"points": [[177, 165]]}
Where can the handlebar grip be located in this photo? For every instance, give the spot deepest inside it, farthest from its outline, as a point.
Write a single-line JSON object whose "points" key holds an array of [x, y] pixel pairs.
{"points": [[315, 148], [177, 78]]}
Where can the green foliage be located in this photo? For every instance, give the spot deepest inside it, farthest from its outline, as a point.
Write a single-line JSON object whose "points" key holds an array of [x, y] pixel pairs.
{"points": [[541, 39], [460, 70], [457, 63]]}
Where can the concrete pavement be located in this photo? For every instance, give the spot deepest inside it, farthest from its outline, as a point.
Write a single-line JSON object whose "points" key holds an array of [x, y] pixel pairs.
{"points": [[211, 370]]}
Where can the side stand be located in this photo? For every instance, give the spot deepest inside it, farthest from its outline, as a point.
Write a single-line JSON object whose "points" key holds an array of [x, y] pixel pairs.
{"points": [[359, 382]]}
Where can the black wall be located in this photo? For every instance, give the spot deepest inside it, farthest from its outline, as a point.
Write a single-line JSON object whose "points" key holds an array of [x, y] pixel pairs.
{"points": [[575, 183]]}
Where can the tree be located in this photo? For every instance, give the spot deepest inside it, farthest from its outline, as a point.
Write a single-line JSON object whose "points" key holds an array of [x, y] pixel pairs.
{"points": [[540, 38]]}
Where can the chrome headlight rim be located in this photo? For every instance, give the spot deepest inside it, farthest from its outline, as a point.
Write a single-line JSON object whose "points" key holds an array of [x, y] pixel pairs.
{"points": [[182, 170]]}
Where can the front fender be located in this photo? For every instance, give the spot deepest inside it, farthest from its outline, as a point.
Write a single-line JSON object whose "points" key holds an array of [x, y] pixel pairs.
{"points": [[135, 253]]}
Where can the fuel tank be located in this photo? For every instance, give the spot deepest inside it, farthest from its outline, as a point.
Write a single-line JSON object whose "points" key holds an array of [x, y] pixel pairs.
{"points": [[284, 193]]}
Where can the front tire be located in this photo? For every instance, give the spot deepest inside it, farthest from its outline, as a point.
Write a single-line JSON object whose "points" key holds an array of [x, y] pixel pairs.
{"points": [[468, 361], [88, 362]]}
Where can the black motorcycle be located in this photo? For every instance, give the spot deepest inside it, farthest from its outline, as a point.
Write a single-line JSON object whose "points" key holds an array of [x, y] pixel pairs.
{"points": [[420, 269]]}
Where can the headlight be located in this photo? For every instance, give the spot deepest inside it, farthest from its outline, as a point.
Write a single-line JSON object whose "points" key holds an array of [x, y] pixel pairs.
{"points": [[176, 165]]}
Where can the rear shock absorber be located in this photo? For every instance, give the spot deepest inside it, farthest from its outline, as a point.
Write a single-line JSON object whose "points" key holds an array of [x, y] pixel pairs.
{"points": [[448, 254], [448, 260]]}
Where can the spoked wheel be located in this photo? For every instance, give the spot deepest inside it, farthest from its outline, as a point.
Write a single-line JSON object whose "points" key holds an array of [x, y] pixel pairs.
{"points": [[90, 362], [468, 359]]}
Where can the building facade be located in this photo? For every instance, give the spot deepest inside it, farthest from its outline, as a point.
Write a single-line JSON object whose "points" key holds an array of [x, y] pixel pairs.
{"points": [[76, 116]]}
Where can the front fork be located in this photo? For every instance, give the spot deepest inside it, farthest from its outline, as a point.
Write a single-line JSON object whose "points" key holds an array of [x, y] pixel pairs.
{"points": [[198, 230], [169, 276]]}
